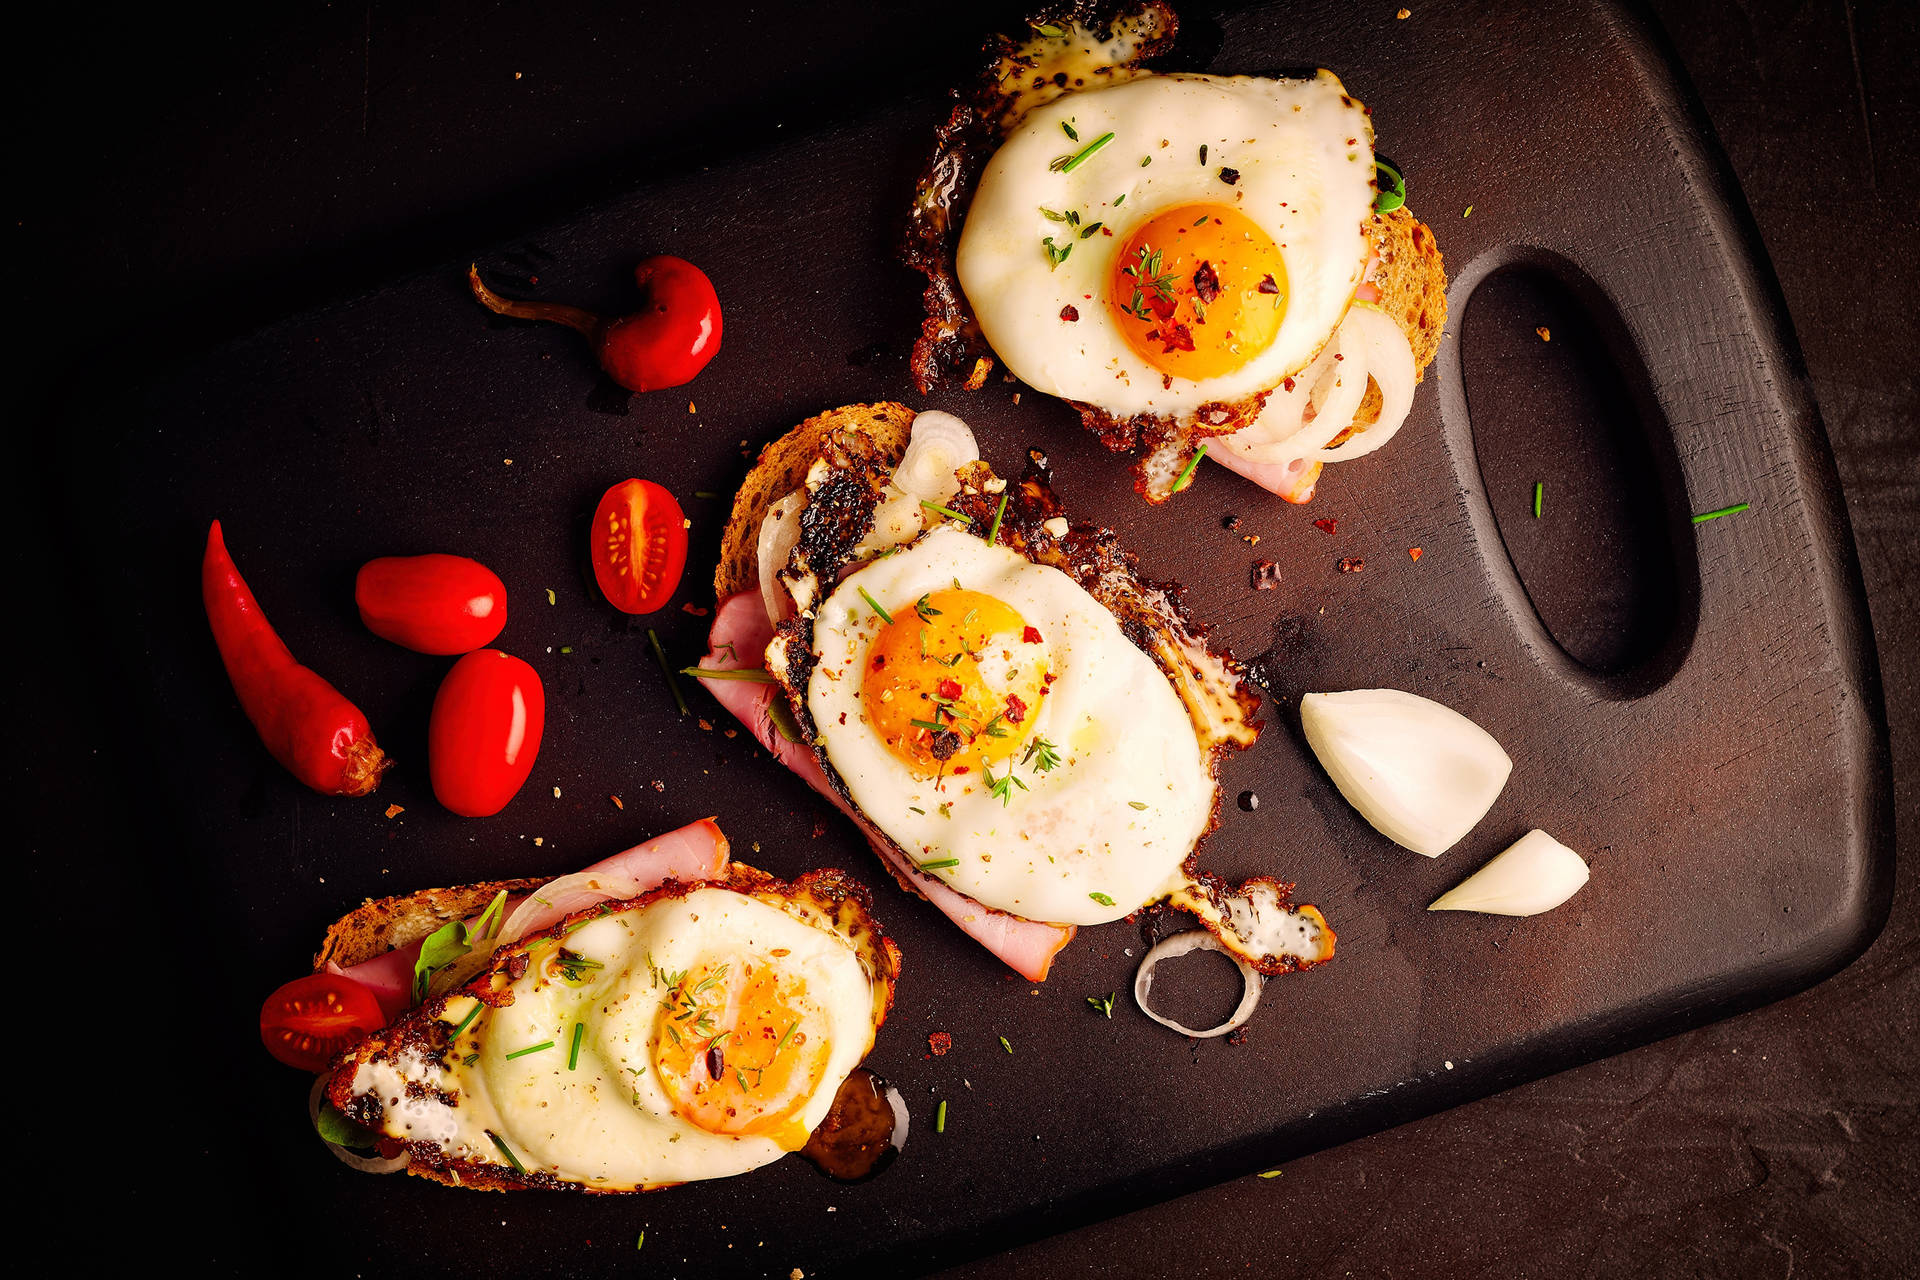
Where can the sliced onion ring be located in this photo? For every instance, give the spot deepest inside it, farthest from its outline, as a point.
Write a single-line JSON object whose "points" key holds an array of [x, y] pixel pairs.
{"points": [[1180, 944], [346, 1155], [1344, 385], [779, 530], [597, 886], [1389, 362], [940, 445]]}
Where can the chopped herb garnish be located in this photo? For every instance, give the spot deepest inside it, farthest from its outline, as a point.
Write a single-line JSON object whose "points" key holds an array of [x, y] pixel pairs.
{"points": [[1200, 221], [946, 810], [468, 1020], [931, 726], [660, 656], [1119, 199], [924, 607], [1001, 788], [1051, 216], [1145, 161], [1102, 899], [1468, 213], [754, 674], [914, 808], [532, 1048], [705, 493], [948, 512], [788, 1036], [875, 606], [1090, 228], [1067, 164], [1392, 195], [1539, 492], [1067, 128], [1004, 1045], [940, 1117], [638, 1244], [1733, 510], [1203, 153], [573, 1054], [1186, 473], [1047, 29], [939, 864], [1136, 804], [1056, 253], [1270, 1173], [1103, 1003], [781, 717], [993, 532], [1043, 754], [507, 1151]]}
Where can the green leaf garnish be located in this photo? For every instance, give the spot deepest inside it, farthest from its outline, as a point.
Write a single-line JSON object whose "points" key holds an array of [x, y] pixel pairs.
{"points": [[924, 607], [1067, 129], [1103, 1003], [1044, 756], [1056, 254], [1392, 196], [333, 1126], [1102, 899], [443, 946]]}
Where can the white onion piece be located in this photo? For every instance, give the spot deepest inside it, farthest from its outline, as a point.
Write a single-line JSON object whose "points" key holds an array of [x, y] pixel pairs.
{"points": [[346, 1155], [940, 445], [779, 530], [1421, 773], [556, 898], [1284, 413], [899, 518], [1536, 873], [1335, 398], [1180, 944], [1389, 362]]}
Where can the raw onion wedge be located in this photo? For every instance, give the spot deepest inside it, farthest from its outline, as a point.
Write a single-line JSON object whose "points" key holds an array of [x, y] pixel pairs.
{"points": [[1536, 873], [779, 530]]}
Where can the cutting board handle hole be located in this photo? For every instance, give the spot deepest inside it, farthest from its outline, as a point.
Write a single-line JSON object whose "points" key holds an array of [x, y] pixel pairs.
{"points": [[1577, 471]]}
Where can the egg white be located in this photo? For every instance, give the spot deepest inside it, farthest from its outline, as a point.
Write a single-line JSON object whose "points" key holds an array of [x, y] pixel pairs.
{"points": [[1119, 814], [1304, 153], [608, 1122]]}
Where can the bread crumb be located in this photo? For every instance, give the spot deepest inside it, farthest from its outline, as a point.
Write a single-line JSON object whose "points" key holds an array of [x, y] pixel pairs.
{"points": [[1352, 564], [539, 840], [1546, 334], [658, 785], [1404, 14], [1057, 526], [394, 810]]}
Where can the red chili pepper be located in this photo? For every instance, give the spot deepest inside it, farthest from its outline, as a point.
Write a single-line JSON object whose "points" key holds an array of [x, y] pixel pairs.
{"points": [[320, 737]]}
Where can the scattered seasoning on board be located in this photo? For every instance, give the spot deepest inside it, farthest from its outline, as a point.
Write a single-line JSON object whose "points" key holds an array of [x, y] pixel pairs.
{"points": [[1230, 522], [1266, 575], [1352, 564], [1546, 334], [394, 810], [1327, 526], [1413, 553], [617, 802], [1249, 801], [938, 1043]]}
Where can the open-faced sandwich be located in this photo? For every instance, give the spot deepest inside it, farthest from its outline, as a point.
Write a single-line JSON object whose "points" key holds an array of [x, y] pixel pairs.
{"points": [[661, 1017], [1026, 730], [1198, 264]]}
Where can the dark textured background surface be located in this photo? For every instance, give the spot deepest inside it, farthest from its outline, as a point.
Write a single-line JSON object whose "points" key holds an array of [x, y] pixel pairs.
{"points": [[195, 178]]}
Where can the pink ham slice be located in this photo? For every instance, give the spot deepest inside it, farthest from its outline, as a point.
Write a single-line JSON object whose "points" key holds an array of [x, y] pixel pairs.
{"points": [[1293, 481], [697, 851], [738, 641]]}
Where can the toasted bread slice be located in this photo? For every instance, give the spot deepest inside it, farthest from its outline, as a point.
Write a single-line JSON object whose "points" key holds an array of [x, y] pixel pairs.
{"points": [[380, 925], [883, 429], [1411, 279]]}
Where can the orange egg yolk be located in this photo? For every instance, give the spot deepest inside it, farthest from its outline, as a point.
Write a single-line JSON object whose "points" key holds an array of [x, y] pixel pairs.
{"points": [[1198, 290], [731, 1053], [952, 684]]}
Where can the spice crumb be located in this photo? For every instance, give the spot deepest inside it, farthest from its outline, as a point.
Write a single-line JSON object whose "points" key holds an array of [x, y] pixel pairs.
{"points": [[394, 810], [1546, 334], [658, 785], [1404, 14], [706, 726], [1266, 575], [556, 793], [617, 802], [938, 1043], [694, 609], [1328, 526], [1413, 553], [690, 408], [1251, 539], [1352, 564], [539, 840]]}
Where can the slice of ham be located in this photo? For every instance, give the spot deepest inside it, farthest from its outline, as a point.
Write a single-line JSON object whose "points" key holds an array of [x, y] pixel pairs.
{"points": [[1293, 480], [738, 641], [697, 851]]}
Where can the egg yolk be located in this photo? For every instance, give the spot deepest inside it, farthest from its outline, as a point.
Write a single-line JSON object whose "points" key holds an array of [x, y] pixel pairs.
{"points": [[1198, 290], [952, 684], [731, 1053]]}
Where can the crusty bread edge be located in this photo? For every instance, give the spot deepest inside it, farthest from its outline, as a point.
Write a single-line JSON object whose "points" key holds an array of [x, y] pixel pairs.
{"points": [[380, 925]]}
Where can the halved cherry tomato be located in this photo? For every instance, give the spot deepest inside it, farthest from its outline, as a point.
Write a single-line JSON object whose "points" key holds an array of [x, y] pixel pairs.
{"points": [[484, 733], [431, 604], [312, 1020], [639, 546]]}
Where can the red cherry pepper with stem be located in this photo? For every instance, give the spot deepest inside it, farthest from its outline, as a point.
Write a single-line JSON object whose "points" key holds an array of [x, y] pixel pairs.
{"points": [[320, 737], [672, 336]]}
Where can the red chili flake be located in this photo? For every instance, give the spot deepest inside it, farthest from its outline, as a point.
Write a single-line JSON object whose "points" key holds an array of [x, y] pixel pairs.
{"points": [[1031, 635], [819, 828], [1229, 176], [1206, 282], [1237, 1037], [879, 661], [1352, 564], [938, 1042], [959, 769], [949, 689], [694, 609], [843, 717], [1177, 337], [705, 726], [1414, 552], [1070, 313], [1016, 708], [658, 785], [1326, 526], [1266, 575], [617, 802], [1268, 285]]}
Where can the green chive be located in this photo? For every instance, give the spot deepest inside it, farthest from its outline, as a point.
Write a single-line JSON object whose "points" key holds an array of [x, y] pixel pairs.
{"points": [[1119, 199], [875, 606], [1271, 1173], [1539, 491], [940, 1117], [573, 1054], [660, 655], [754, 674], [1468, 213], [939, 864], [1005, 1045], [998, 511], [1186, 473], [705, 493], [640, 1243], [783, 1039], [948, 512], [550, 599], [1102, 899], [507, 1151], [1068, 166], [468, 1020], [1389, 197], [1735, 509], [532, 1048]]}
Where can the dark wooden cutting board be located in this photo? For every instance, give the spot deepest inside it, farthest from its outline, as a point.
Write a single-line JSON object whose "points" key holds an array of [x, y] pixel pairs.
{"points": [[1692, 707]]}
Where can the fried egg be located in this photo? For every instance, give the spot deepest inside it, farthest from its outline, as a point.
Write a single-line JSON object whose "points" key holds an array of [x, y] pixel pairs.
{"points": [[1172, 243], [990, 716], [689, 1034]]}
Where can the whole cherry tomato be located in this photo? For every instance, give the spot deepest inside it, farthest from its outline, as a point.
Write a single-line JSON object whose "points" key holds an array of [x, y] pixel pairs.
{"points": [[311, 1020], [431, 604], [484, 732], [639, 546]]}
